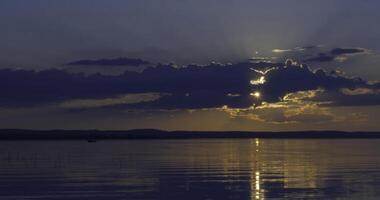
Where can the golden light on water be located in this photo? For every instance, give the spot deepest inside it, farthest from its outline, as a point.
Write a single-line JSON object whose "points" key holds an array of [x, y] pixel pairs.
{"points": [[256, 190]]}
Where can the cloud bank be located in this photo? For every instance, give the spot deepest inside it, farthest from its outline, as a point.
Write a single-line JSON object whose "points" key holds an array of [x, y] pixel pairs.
{"points": [[110, 62], [240, 85]]}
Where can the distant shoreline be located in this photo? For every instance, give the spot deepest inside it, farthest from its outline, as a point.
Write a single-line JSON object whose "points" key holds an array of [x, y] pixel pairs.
{"points": [[149, 134]]}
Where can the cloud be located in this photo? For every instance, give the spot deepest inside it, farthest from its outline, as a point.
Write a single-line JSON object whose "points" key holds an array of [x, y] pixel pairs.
{"points": [[281, 50], [349, 97], [284, 80], [285, 112], [336, 54], [106, 102], [296, 49], [110, 62], [322, 57], [188, 87], [346, 51], [360, 96], [260, 59], [293, 108], [360, 91]]}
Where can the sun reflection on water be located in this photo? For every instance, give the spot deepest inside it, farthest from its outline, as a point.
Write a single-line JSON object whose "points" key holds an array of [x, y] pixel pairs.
{"points": [[189, 169], [256, 191]]}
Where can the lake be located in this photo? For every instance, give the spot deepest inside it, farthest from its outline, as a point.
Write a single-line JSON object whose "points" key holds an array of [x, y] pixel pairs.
{"points": [[191, 169]]}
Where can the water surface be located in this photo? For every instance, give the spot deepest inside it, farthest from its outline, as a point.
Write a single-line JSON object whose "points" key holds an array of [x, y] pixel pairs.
{"points": [[191, 169]]}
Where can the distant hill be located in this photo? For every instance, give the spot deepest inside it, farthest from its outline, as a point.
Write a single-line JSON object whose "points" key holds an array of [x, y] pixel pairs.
{"points": [[19, 134]]}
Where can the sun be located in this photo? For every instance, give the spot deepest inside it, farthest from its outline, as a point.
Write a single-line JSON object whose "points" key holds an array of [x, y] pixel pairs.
{"points": [[256, 94]]}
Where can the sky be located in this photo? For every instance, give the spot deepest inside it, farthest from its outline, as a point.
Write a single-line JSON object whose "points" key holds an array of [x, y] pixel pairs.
{"points": [[190, 65]]}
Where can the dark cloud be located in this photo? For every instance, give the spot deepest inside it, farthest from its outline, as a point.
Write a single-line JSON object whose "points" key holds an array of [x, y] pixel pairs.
{"points": [[199, 84], [322, 57], [284, 80], [110, 62], [342, 51], [342, 98], [335, 54], [190, 87]]}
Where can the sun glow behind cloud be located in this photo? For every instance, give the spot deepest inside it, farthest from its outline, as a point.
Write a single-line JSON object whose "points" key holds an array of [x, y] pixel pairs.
{"points": [[259, 81], [256, 94]]}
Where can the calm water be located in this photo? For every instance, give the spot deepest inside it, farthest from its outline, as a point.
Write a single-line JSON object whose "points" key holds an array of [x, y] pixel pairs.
{"points": [[190, 169]]}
